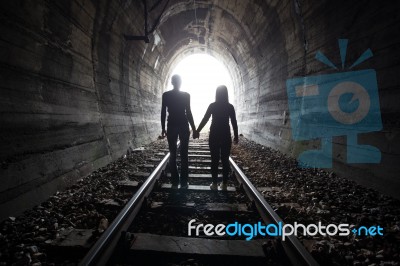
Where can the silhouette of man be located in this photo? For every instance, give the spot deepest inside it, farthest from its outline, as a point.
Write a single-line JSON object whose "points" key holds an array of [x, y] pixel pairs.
{"points": [[179, 114]]}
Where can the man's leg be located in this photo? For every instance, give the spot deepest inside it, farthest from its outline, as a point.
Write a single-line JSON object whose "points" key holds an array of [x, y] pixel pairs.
{"points": [[172, 137], [225, 152], [184, 146]]}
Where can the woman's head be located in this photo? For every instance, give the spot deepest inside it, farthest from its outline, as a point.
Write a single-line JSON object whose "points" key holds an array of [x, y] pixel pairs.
{"points": [[221, 94]]}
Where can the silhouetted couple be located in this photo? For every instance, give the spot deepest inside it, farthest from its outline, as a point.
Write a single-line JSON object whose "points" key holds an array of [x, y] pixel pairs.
{"points": [[179, 115]]}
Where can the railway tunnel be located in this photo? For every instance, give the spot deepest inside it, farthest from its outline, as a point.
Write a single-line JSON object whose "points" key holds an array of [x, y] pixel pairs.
{"points": [[81, 82]]}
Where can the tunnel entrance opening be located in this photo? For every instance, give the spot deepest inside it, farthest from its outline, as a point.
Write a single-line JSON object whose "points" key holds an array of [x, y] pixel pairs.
{"points": [[201, 75]]}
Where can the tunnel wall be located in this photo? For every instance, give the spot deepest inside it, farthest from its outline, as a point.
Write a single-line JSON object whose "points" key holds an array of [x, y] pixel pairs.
{"points": [[74, 94], [285, 41]]}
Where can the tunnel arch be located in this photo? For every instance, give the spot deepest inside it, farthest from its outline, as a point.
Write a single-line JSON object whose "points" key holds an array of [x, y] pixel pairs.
{"points": [[190, 44], [227, 36]]}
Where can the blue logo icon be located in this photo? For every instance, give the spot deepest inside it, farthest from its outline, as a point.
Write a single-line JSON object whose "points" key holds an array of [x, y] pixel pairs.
{"points": [[339, 104]]}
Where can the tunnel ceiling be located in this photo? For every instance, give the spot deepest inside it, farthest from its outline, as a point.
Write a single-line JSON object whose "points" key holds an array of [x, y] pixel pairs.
{"points": [[227, 30]]}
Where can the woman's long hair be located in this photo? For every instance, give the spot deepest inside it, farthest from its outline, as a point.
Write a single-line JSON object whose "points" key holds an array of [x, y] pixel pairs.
{"points": [[221, 95]]}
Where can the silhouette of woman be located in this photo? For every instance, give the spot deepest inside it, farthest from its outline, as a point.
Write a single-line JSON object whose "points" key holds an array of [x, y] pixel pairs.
{"points": [[220, 134]]}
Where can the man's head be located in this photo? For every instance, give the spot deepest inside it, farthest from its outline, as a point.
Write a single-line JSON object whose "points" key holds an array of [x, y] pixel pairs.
{"points": [[176, 81]]}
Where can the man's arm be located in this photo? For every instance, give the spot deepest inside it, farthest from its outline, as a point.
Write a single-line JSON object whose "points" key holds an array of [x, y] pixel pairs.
{"points": [[234, 124], [163, 114], [189, 114]]}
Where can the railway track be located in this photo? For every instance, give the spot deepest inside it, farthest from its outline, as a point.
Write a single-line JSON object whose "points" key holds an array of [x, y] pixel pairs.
{"points": [[164, 226]]}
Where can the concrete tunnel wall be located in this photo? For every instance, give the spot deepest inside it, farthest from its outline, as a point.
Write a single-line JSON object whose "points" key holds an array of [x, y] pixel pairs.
{"points": [[75, 95]]}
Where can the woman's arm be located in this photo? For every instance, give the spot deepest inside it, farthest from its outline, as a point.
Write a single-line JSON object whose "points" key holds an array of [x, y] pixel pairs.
{"points": [[234, 124], [205, 119]]}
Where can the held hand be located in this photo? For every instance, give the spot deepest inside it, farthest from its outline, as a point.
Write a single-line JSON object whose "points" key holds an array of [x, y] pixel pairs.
{"points": [[235, 140], [163, 133], [196, 134]]}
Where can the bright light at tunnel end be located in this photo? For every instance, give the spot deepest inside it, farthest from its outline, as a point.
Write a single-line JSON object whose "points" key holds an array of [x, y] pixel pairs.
{"points": [[201, 74]]}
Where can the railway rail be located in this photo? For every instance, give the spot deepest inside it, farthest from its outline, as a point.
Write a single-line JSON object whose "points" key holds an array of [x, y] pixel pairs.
{"points": [[120, 243]]}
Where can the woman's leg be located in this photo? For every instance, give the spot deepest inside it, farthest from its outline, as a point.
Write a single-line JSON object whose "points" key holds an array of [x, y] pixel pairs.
{"points": [[225, 152], [215, 154]]}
